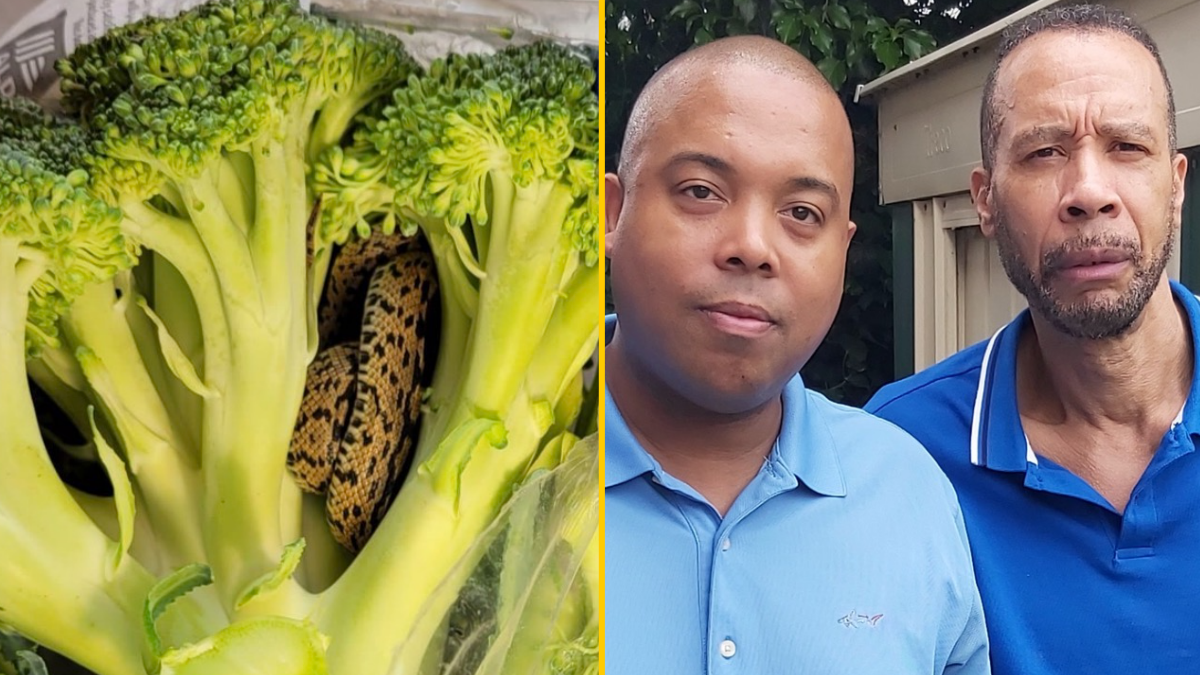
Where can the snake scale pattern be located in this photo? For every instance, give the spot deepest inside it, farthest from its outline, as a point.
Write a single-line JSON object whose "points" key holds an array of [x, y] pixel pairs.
{"points": [[359, 417]]}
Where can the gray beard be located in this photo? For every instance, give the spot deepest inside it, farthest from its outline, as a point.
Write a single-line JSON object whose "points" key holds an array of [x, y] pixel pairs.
{"points": [[1089, 320]]}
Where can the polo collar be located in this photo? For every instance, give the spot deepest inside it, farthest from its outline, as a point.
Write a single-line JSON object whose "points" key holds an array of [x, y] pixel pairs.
{"points": [[998, 440], [805, 447]]}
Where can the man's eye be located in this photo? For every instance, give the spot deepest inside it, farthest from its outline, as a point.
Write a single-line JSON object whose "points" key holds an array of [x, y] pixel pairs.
{"points": [[1043, 152], [1129, 147], [803, 213], [699, 191]]}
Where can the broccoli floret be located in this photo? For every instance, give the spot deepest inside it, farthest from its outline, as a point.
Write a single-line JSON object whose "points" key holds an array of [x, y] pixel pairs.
{"points": [[202, 128], [495, 159]]}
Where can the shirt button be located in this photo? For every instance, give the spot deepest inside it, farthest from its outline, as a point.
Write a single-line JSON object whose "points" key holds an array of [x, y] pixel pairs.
{"points": [[728, 649], [725, 544]]}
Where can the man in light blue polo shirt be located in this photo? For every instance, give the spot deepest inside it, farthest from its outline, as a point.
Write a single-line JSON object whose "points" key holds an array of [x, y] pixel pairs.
{"points": [[752, 526], [1071, 435]]}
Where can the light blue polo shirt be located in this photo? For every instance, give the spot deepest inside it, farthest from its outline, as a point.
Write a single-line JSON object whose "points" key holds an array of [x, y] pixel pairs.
{"points": [[845, 555], [1069, 585]]}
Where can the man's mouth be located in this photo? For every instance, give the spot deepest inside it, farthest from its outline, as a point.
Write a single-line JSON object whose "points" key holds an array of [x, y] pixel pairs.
{"points": [[739, 318], [1092, 264]]}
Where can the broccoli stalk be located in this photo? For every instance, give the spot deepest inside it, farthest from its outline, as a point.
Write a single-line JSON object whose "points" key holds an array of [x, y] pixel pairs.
{"points": [[494, 158], [66, 585]]}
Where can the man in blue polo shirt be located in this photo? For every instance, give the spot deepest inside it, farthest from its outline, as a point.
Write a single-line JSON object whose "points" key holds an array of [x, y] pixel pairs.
{"points": [[1070, 435], [752, 526]]}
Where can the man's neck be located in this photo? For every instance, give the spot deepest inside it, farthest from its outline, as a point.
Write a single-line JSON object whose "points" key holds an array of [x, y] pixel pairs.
{"points": [[717, 455], [1101, 407]]}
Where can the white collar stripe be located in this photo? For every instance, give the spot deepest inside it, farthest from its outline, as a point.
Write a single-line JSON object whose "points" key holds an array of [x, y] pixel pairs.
{"points": [[983, 371]]}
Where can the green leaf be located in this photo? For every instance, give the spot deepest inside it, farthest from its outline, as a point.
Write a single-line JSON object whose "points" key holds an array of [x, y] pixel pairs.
{"points": [[685, 9], [788, 29], [887, 52], [29, 663], [854, 54], [748, 9], [834, 71], [838, 16], [810, 21], [912, 47], [169, 589], [177, 361], [703, 36], [273, 579], [858, 31], [122, 491], [18, 655], [822, 39], [876, 25]]}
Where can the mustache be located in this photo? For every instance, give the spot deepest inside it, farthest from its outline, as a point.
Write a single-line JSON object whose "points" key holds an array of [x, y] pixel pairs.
{"points": [[1053, 261]]}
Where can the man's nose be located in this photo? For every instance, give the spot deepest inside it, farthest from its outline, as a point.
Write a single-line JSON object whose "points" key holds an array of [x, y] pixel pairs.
{"points": [[1090, 189], [746, 244]]}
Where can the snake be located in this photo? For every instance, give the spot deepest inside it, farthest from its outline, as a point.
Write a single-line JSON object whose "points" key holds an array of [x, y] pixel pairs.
{"points": [[360, 412]]}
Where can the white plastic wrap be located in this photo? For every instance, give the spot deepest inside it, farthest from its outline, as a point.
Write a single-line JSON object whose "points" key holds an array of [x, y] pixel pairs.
{"points": [[33, 35]]}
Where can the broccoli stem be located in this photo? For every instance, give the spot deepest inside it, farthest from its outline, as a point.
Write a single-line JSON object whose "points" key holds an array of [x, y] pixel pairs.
{"points": [[66, 561], [406, 597], [251, 304], [246, 438], [56, 373], [452, 346], [335, 117], [156, 451], [176, 308], [524, 272], [528, 253], [573, 324]]}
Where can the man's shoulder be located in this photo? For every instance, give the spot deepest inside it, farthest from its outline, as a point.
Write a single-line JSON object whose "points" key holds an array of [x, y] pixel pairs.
{"points": [[936, 405], [847, 423], [942, 383], [869, 446]]}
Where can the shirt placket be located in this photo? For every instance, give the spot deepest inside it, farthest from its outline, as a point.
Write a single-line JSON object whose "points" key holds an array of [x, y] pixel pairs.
{"points": [[724, 651]]}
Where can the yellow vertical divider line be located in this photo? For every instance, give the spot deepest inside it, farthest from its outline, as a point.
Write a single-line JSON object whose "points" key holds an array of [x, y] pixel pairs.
{"points": [[603, 391]]}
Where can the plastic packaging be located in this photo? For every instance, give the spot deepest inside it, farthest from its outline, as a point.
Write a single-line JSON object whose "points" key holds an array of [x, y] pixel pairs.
{"points": [[33, 35]]}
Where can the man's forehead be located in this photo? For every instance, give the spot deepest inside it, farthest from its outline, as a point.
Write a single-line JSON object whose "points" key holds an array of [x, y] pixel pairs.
{"points": [[1110, 77], [1058, 58], [746, 100], [686, 89]]}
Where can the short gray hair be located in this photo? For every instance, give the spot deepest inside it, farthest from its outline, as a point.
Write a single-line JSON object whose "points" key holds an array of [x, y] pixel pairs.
{"points": [[1079, 19]]}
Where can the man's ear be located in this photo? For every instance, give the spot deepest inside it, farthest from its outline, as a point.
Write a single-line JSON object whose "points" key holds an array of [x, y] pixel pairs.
{"points": [[1179, 166], [851, 228], [981, 195], [614, 198]]}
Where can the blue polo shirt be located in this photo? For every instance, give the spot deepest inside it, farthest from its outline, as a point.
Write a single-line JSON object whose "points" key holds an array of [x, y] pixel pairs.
{"points": [[1069, 584], [846, 554]]}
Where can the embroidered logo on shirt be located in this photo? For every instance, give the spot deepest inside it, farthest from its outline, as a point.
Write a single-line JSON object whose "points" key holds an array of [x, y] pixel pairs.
{"points": [[856, 620]]}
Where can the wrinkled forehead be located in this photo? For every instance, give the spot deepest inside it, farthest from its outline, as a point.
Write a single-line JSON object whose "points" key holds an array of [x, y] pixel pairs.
{"points": [[1101, 75]]}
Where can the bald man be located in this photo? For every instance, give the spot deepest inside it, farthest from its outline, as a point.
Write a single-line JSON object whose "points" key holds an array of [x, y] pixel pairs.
{"points": [[752, 526]]}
